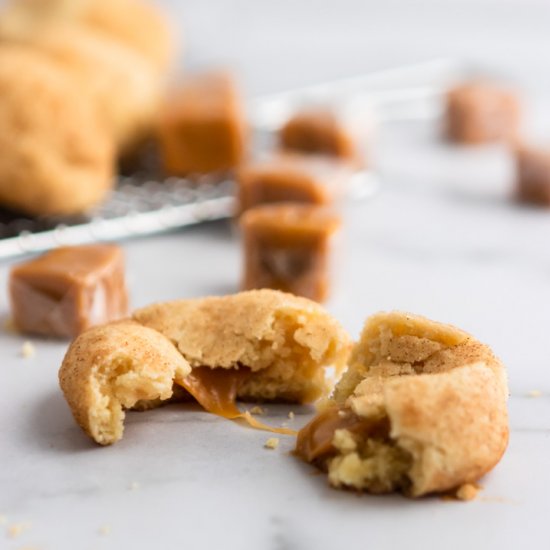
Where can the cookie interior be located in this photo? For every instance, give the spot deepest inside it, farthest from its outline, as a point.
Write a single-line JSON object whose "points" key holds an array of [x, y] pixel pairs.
{"points": [[292, 356], [352, 438], [285, 364], [284, 343]]}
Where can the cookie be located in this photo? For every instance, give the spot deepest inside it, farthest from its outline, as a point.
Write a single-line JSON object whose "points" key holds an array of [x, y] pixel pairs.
{"points": [[57, 157], [260, 345], [284, 340], [138, 25], [124, 88], [115, 367], [421, 409]]}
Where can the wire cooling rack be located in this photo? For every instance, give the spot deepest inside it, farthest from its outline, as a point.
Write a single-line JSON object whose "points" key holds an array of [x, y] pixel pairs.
{"points": [[144, 205]]}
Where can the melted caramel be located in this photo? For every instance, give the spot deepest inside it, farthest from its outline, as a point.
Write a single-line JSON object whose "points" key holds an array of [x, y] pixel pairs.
{"points": [[315, 439], [216, 391]]}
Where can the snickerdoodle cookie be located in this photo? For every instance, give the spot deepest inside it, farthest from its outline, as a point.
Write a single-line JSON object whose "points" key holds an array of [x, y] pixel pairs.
{"points": [[137, 24], [112, 368], [421, 409], [124, 88], [260, 345], [56, 156]]}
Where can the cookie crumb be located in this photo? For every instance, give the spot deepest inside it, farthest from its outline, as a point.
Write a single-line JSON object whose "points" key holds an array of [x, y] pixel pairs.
{"points": [[28, 350], [17, 529], [134, 486], [291, 415], [257, 410], [272, 443], [534, 393], [468, 491], [105, 530]]}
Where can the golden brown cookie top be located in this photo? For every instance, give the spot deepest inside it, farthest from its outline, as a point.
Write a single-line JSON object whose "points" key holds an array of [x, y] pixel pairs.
{"points": [[111, 368], [441, 393], [57, 157], [247, 328], [123, 86], [136, 24], [392, 343]]}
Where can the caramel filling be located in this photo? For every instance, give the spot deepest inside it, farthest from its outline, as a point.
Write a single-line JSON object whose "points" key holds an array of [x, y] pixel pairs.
{"points": [[315, 440], [357, 452], [216, 391]]}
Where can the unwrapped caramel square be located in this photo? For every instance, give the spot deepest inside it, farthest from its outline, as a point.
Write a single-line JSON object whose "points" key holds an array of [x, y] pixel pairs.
{"points": [[202, 126], [289, 247], [291, 177], [69, 289], [533, 175], [482, 113], [324, 131]]}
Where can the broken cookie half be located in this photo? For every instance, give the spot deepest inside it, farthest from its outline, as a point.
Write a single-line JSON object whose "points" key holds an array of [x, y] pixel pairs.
{"points": [[113, 367], [261, 345], [420, 409]]}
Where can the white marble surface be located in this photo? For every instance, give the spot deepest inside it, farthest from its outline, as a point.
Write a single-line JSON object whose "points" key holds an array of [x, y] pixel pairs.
{"points": [[441, 239]]}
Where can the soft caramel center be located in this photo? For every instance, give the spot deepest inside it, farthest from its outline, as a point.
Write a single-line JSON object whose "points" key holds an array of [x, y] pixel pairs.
{"points": [[315, 439], [216, 391]]}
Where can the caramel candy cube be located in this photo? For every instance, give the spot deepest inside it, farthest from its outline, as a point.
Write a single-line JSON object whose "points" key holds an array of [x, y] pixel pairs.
{"points": [[202, 127], [322, 131], [533, 175], [288, 247], [482, 113], [69, 289], [292, 178]]}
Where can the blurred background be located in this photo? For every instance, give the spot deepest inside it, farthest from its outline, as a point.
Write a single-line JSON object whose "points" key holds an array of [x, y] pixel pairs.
{"points": [[284, 43]]}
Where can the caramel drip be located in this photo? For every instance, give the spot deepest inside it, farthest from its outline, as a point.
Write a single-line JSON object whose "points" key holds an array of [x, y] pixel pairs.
{"points": [[315, 439], [216, 391]]}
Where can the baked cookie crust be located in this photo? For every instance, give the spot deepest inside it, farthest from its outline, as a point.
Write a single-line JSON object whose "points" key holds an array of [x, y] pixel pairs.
{"points": [[137, 24], [114, 367], [124, 88], [57, 157]]}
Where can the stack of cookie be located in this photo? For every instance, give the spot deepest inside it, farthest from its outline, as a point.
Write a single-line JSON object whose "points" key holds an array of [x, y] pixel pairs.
{"points": [[80, 85]]}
